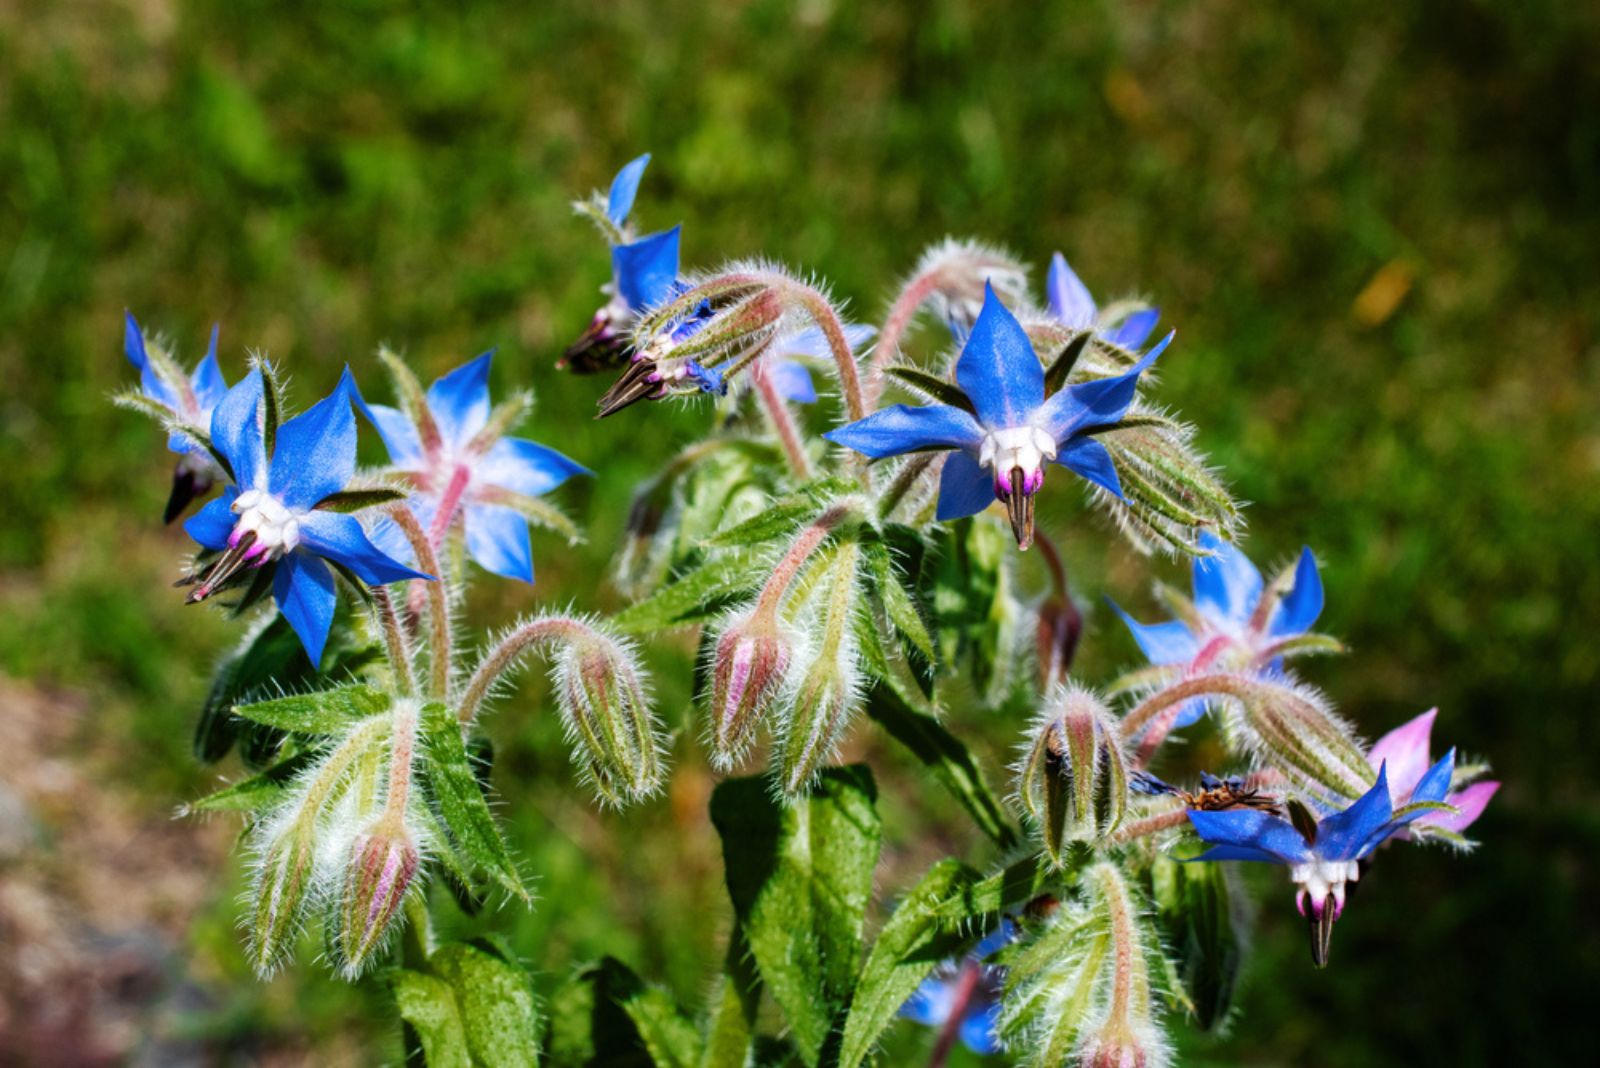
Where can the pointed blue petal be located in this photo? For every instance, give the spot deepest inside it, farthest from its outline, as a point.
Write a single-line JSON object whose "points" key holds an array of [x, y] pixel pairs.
{"points": [[1161, 643], [901, 429], [1069, 298], [1190, 713], [459, 401], [340, 538], [792, 381], [211, 525], [623, 188], [398, 432], [1303, 603], [1099, 402], [646, 269], [965, 488], [1240, 852], [995, 940], [1226, 584], [1135, 330], [303, 588], [978, 1030], [526, 467], [150, 383], [236, 431], [998, 368], [315, 452], [1435, 782], [207, 378], [1351, 834], [1088, 458], [497, 538], [1253, 830], [811, 341], [930, 1003]]}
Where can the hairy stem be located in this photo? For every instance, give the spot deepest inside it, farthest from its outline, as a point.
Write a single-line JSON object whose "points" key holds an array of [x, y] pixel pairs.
{"points": [[912, 470], [1149, 825], [827, 321], [799, 551], [503, 656], [901, 314], [782, 422], [402, 748], [394, 639], [438, 609]]}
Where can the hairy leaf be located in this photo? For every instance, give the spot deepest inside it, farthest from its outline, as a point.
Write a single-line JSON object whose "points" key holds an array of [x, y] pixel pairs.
{"points": [[322, 712], [459, 802]]}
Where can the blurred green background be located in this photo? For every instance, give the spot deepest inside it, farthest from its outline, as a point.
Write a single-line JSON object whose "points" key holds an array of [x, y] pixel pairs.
{"points": [[1374, 226]]}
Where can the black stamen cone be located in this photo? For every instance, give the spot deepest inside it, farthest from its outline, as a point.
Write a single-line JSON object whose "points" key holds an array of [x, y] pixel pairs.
{"points": [[598, 348], [228, 565], [1321, 920], [633, 387], [1020, 507], [185, 488]]}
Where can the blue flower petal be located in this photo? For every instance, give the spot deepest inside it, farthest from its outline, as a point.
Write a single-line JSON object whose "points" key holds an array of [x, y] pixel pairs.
{"points": [[211, 525], [398, 432], [1088, 458], [1135, 330], [995, 940], [207, 378], [1435, 782], [1069, 298], [526, 467], [236, 431], [1161, 643], [1098, 402], [1189, 713], [979, 1031], [1226, 584], [646, 269], [901, 429], [150, 383], [459, 400], [1302, 605], [930, 1003], [315, 452], [1351, 834], [623, 189], [341, 538], [1250, 831], [792, 381], [497, 538], [812, 342], [965, 488], [998, 368], [303, 588]]}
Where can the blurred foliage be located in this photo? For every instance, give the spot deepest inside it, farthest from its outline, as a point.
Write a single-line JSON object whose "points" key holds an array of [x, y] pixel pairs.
{"points": [[1374, 230]]}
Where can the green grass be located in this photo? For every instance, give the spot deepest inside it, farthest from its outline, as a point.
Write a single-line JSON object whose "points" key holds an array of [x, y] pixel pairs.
{"points": [[321, 180]]}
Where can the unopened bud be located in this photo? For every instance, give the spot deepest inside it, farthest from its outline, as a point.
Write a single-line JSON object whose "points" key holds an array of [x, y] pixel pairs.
{"points": [[383, 862], [607, 716], [1059, 628], [747, 670], [1074, 778], [282, 891], [1124, 1034], [824, 701], [1114, 1047], [956, 273], [1293, 728]]}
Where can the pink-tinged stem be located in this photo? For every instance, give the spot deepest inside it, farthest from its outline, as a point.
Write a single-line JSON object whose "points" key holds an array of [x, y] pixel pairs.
{"points": [[394, 639], [449, 505], [782, 421], [1124, 941], [966, 987], [1200, 686], [894, 327], [1162, 821], [799, 551], [904, 479], [402, 747], [827, 321], [501, 658], [438, 609]]}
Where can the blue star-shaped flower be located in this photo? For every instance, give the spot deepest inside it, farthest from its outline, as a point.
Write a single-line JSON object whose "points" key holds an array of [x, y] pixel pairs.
{"points": [[459, 465], [190, 399], [1230, 625], [270, 515], [1008, 429], [1323, 850], [1071, 303], [967, 990]]}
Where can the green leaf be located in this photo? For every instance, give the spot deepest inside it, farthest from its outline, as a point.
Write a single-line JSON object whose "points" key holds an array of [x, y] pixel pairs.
{"points": [[733, 1014], [692, 597], [941, 390], [983, 902], [946, 756], [1200, 924], [784, 514], [898, 603], [916, 938], [256, 792], [271, 403], [459, 802], [354, 500], [323, 712], [800, 877], [1055, 376], [471, 1009], [671, 1037], [429, 1006], [588, 1023]]}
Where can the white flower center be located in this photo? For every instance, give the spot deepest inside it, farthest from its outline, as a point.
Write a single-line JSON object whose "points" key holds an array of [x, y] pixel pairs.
{"points": [[276, 527], [1319, 878], [1024, 448]]}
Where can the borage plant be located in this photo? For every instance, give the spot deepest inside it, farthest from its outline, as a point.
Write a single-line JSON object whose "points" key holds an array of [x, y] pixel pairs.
{"points": [[872, 581]]}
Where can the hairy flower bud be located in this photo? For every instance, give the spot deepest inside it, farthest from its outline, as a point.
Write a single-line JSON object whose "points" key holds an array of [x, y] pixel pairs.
{"points": [[747, 671], [606, 712], [823, 702], [1073, 779], [382, 865], [282, 892]]}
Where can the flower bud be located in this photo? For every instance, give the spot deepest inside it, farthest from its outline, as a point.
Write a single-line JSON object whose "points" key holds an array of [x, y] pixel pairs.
{"points": [[1059, 627], [747, 672], [955, 273], [383, 862], [282, 891], [1124, 1034], [823, 703], [607, 716], [1074, 780], [1292, 728]]}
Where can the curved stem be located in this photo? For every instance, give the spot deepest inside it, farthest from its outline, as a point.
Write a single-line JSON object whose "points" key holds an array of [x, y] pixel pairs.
{"points": [[782, 422], [438, 610], [333, 770], [799, 550], [500, 659], [827, 321], [901, 314], [1052, 560], [1151, 825], [402, 747], [394, 639], [449, 505], [904, 479], [1227, 685]]}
